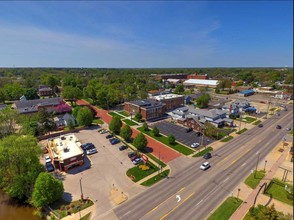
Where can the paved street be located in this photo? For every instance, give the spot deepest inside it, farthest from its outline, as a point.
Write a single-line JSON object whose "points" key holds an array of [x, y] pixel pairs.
{"points": [[200, 191]]}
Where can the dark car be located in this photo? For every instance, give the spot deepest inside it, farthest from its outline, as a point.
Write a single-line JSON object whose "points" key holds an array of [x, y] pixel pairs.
{"points": [[123, 147], [188, 130], [207, 156], [131, 154], [260, 125], [279, 127], [87, 146], [109, 136], [114, 141], [134, 157], [49, 167]]}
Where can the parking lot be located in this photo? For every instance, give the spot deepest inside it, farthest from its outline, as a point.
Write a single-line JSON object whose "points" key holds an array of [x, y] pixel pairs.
{"points": [[107, 171], [180, 133]]}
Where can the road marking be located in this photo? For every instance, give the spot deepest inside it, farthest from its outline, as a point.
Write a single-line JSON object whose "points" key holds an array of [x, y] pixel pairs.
{"points": [[257, 153], [177, 206], [243, 164], [164, 201], [199, 202], [226, 179], [234, 161]]}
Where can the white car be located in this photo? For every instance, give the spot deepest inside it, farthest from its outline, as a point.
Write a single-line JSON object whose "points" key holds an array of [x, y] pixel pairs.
{"points": [[195, 145], [47, 159], [137, 161], [103, 131], [205, 166]]}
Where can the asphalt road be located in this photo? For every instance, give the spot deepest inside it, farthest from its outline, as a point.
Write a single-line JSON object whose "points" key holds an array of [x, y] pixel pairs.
{"points": [[202, 191]]}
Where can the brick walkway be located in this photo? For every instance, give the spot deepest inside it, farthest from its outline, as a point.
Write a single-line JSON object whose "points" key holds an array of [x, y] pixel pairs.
{"points": [[166, 154]]}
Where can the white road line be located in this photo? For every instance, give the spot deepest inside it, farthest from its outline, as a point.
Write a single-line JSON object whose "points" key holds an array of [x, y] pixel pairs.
{"points": [[199, 202], [226, 179], [257, 153], [243, 164]]}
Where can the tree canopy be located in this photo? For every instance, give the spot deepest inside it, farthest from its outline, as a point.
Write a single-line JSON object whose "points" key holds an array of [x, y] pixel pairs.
{"points": [[140, 141], [203, 100], [155, 131], [84, 116], [126, 133], [115, 125]]}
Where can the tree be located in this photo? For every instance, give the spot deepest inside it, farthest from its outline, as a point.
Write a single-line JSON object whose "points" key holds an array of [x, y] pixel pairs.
{"points": [[47, 190], [203, 100], [19, 165], [210, 130], [72, 93], [179, 89], [140, 141], [155, 131], [8, 119], [268, 213], [31, 93], [75, 111], [84, 116], [115, 125], [126, 133], [138, 116], [145, 127], [71, 124], [46, 121], [171, 139]]}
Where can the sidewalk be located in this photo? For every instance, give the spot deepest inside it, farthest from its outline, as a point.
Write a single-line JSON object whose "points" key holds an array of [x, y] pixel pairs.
{"points": [[250, 194]]}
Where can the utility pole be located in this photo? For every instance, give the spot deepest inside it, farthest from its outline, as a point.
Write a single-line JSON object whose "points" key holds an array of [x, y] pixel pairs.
{"points": [[256, 164], [82, 196], [268, 105]]}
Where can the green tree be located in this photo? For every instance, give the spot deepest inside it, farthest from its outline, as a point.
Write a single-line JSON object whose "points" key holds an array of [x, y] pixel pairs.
{"points": [[31, 93], [72, 93], [75, 111], [140, 141], [155, 131], [46, 121], [84, 116], [268, 213], [126, 133], [171, 139], [47, 190], [71, 124], [19, 165], [145, 127], [115, 125], [203, 100], [8, 121], [138, 116], [179, 89]]}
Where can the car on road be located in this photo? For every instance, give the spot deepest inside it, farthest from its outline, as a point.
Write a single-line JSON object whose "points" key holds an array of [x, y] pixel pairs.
{"points": [[91, 151], [260, 125], [205, 166], [49, 167], [114, 141], [279, 127], [123, 147], [87, 146], [137, 161], [109, 136], [188, 130], [47, 159], [195, 145], [207, 156]]}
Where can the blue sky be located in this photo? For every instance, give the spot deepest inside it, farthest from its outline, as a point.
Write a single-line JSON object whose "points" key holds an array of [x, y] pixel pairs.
{"points": [[134, 34]]}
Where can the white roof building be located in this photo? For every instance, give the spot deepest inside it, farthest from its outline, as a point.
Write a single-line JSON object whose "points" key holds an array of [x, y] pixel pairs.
{"points": [[200, 82]]}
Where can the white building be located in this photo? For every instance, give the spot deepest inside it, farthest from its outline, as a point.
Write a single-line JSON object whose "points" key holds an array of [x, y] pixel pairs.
{"points": [[201, 82]]}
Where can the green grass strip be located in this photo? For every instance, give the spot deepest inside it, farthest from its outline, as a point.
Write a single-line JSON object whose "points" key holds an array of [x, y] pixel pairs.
{"points": [[156, 160], [124, 113], [241, 131], [87, 217], [257, 122], [254, 178], [156, 178], [227, 139], [114, 114], [201, 153], [225, 211], [178, 147], [129, 122], [137, 174]]}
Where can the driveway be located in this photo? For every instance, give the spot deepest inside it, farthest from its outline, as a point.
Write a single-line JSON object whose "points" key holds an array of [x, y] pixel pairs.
{"points": [[180, 133], [107, 171]]}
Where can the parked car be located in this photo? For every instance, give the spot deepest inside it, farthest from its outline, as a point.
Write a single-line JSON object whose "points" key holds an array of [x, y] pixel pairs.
{"points": [[114, 141], [279, 127], [207, 156], [195, 145], [188, 130], [109, 136], [91, 151], [288, 129], [260, 125], [132, 154], [134, 157], [87, 146], [48, 159], [205, 166], [49, 167], [137, 161], [123, 147], [103, 131]]}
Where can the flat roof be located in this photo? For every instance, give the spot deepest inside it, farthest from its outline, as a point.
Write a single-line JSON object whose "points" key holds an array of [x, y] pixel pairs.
{"points": [[166, 96], [201, 82], [65, 146]]}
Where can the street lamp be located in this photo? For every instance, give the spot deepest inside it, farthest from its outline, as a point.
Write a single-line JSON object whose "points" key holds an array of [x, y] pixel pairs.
{"points": [[238, 192], [264, 164], [256, 164], [82, 196]]}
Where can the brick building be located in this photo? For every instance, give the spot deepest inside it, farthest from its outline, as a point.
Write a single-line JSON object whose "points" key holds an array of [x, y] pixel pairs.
{"points": [[44, 90], [191, 122], [197, 76], [172, 101]]}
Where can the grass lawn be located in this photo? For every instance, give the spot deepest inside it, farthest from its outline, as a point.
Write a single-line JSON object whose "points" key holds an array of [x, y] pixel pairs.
{"points": [[250, 119], [225, 210], [137, 174], [64, 208], [227, 139], [257, 122], [201, 153], [277, 189], [98, 121], [156, 178], [129, 122], [87, 217], [254, 178], [124, 113], [241, 131], [178, 147], [114, 114]]}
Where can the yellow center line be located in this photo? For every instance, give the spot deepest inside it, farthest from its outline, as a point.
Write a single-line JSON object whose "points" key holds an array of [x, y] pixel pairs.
{"points": [[177, 206], [165, 201]]}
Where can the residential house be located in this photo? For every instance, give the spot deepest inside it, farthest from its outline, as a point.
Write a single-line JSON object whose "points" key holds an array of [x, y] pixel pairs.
{"points": [[44, 90], [64, 120]]}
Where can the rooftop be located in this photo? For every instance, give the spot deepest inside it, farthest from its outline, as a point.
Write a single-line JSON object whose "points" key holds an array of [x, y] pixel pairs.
{"points": [[25, 106], [166, 96], [201, 82]]}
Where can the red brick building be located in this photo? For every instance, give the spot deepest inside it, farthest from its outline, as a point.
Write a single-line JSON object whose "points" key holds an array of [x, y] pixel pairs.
{"points": [[172, 101], [44, 91], [197, 76], [191, 122]]}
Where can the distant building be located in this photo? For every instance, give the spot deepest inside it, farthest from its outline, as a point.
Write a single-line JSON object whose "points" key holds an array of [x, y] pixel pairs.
{"points": [[246, 93], [201, 83], [65, 152], [169, 76], [44, 90], [152, 93], [197, 76], [171, 101], [191, 121], [149, 109]]}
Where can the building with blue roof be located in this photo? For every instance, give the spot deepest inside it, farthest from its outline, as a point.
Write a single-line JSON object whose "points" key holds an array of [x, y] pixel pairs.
{"points": [[246, 92]]}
